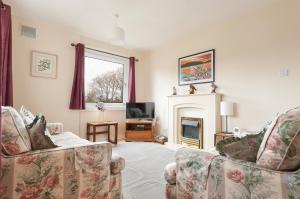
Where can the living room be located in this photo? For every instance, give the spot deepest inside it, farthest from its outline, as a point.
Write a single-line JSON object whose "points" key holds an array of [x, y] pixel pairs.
{"points": [[254, 61]]}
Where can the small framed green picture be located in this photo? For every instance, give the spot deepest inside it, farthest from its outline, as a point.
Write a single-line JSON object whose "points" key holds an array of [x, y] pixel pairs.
{"points": [[43, 65]]}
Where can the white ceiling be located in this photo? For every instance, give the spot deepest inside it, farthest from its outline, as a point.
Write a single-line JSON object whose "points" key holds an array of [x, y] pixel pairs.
{"points": [[147, 23]]}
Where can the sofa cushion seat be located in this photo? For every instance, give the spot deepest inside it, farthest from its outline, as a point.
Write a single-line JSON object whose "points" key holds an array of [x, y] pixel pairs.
{"points": [[68, 139]]}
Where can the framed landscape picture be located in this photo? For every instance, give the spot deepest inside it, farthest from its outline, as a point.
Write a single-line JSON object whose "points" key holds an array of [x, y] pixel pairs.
{"points": [[43, 65], [197, 68]]}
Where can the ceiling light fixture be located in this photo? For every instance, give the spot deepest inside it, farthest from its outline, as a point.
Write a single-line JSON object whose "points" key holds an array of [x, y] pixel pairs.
{"points": [[118, 33]]}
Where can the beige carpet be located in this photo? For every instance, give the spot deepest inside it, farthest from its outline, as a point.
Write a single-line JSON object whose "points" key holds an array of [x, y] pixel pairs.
{"points": [[143, 175]]}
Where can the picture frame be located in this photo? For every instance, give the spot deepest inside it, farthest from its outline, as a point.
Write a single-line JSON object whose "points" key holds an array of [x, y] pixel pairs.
{"points": [[197, 68], [43, 65]]}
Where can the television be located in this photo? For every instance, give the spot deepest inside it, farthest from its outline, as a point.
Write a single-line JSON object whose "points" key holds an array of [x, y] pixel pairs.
{"points": [[140, 110]]}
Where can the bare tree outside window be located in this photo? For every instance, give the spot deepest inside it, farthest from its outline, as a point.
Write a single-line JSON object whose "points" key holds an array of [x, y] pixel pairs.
{"points": [[104, 81]]}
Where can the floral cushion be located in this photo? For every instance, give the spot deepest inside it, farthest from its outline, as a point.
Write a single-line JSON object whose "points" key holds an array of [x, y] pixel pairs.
{"points": [[280, 149], [55, 128], [26, 115], [15, 139], [39, 138]]}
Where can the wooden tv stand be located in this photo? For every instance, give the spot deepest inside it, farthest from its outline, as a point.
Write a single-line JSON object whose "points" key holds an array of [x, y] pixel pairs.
{"points": [[139, 130]]}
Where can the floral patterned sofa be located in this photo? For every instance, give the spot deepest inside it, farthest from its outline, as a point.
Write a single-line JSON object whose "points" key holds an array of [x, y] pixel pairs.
{"points": [[75, 169], [265, 165], [200, 174]]}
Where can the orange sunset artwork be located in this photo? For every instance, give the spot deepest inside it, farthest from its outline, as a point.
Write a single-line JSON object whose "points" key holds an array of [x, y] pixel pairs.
{"points": [[196, 68]]}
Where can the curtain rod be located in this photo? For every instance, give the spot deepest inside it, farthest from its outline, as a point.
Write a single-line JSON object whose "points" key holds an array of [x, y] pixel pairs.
{"points": [[72, 44]]}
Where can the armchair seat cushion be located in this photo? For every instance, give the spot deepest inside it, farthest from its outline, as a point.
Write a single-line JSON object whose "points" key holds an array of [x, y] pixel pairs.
{"points": [[117, 164], [170, 173]]}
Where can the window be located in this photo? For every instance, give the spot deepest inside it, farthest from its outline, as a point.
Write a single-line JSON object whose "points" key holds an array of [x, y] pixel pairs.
{"points": [[105, 79]]}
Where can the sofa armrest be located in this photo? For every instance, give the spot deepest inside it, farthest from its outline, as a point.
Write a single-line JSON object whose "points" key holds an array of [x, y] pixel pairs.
{"points": [[59, 167], [55, 128], [117, 164]]}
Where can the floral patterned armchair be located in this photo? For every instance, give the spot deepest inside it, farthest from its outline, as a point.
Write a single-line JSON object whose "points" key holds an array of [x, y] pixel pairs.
{"points": [[76, 169], [199, 174]]}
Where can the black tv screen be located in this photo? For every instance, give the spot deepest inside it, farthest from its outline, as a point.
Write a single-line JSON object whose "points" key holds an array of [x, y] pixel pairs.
{"points": [[144, 110]]}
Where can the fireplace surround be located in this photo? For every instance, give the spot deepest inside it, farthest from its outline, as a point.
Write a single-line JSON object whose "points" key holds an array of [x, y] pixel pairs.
{"points": [[205, 106]]}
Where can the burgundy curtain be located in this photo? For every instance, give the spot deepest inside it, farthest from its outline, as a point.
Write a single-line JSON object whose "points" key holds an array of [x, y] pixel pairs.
{"points": [[6, 56], [77, 97], [1, 91], [131, 80]]}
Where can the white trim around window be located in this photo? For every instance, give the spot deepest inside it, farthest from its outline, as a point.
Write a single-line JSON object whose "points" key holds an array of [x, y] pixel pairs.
{"points": [[115, 59]]}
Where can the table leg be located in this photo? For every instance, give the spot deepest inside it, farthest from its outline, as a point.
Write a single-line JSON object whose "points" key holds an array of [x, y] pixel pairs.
{"points": [[87, 132], [116, 134], [94, 133], [108, 133]]}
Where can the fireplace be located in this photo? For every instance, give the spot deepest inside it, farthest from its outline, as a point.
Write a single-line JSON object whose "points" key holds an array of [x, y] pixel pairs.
{"points": [[191, 133], [205, 106]]}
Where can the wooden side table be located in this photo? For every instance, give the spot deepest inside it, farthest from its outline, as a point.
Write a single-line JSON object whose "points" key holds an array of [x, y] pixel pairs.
{"points": [[222, 136], [94, 132]]}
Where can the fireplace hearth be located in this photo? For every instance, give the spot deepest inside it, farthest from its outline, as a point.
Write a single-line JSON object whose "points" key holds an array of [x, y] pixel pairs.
{"points": [[191, 133]]}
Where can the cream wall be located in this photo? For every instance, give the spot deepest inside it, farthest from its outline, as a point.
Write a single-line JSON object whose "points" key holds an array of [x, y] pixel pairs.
{"points": [[250, 52], [51, 96]]}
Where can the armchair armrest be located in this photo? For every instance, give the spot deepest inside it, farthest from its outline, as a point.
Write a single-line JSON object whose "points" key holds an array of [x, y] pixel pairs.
{"points": [[170, 173], [55, 128], [117, 164], [192, 170]]}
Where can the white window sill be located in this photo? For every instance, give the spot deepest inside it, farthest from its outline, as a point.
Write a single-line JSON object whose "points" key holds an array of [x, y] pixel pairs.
{"points": [[116, 108], [107, 107]]}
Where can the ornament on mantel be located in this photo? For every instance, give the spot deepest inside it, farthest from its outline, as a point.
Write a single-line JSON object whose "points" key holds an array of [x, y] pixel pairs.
{"points": [[174, 91], [192, 89], [213, 87]]}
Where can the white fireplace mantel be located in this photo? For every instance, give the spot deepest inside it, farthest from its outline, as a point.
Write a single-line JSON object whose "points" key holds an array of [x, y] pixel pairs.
{"points": [[204, 106]]}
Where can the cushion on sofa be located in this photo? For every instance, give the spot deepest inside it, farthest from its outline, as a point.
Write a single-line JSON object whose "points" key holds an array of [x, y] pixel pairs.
{"points": [[26, 115], [15, 139], [280, 149], [245, 148], [55, 128], [38, 135]]}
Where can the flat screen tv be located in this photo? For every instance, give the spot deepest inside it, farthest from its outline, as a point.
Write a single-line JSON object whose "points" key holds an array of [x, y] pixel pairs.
{"points": [[140, 110]]}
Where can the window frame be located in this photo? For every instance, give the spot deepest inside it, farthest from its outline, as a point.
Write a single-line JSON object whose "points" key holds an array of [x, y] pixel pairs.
{"points": [[115, 59]]}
